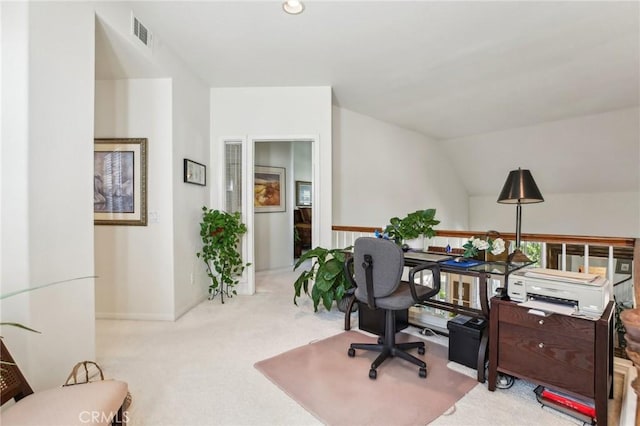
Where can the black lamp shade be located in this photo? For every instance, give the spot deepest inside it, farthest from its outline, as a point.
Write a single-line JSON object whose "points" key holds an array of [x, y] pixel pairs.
{"points": [[520, 188]]}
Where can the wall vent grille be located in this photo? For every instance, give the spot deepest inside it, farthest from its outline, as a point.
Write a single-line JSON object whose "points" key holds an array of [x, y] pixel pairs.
{"points": [[141, 32]]}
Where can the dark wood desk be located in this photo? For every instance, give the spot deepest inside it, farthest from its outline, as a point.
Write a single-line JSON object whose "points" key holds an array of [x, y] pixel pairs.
{"points": [[569, 354]]}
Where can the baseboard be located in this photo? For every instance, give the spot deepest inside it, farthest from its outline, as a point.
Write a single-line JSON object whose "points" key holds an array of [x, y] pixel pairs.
{"points": [[134, 316], [189, 307], [274, 271]]}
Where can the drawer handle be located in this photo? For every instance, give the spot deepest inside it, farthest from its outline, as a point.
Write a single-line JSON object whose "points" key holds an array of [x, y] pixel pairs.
{"points": [[541, 345], [541, 322]]}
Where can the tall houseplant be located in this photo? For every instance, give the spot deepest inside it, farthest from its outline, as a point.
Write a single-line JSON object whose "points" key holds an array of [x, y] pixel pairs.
{"points": [[413, 225], [221, 232], [327, 273]]}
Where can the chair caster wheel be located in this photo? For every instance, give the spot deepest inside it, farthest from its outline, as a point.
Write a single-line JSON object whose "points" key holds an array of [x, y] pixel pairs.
{"points": [[351, 352], [373, 374], [421, 350], [423, 373]]}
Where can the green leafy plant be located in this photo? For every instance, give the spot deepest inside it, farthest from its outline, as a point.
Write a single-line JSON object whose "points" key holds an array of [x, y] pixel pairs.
{"points": [[620, 328], [533, 251], [420, 222], [220, 232], [327, 273]]}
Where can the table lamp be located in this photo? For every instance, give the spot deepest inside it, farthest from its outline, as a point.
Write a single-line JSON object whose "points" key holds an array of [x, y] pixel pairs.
{"points": [[520, 188]]}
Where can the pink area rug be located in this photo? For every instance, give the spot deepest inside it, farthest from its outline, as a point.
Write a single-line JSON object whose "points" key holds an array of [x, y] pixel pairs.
{"points": [[337, 390]]}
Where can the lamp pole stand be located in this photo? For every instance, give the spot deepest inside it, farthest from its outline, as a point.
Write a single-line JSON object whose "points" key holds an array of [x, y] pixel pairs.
{"points": [[518, 256]]}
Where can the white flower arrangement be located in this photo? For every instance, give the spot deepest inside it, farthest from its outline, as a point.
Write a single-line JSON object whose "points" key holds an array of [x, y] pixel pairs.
{"points": [[474, 245]]}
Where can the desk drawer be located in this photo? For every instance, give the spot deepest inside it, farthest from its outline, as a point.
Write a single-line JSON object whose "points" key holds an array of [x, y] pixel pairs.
{"points": [[561, 361], [555, 323]]}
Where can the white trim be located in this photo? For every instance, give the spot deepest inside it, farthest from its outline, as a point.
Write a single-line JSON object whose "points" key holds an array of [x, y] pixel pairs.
{"points": [[134, 316], [248, 154], [247, 282], [190, 306], [317, 188]]}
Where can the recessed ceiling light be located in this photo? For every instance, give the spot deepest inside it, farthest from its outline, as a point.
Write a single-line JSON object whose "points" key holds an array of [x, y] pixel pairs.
{"points": [[293, 7]]}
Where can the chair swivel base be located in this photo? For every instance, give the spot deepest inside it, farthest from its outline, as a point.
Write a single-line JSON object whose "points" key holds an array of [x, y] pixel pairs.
{"points": [[388, 348]]}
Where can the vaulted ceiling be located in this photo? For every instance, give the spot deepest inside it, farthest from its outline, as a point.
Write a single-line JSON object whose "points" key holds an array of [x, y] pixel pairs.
{"points": [[443, 68], [446, 69]]}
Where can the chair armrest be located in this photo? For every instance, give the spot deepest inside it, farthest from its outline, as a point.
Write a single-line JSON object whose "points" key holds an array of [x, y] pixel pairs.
{"points": [[435, 270], [348, 272]]}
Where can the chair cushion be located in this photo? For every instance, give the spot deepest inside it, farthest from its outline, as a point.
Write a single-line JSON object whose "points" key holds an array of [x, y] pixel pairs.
{"points": [[95, 403], [401, 298]]}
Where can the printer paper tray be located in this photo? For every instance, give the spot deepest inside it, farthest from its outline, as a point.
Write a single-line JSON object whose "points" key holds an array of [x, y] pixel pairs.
{"points": [[537, 307]]}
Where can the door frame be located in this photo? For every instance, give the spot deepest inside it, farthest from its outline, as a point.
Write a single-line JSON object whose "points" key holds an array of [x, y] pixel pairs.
{"points": [[248, 178]]}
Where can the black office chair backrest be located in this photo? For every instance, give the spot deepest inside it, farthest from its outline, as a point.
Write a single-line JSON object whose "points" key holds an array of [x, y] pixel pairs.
{"points": [[385, 261]]}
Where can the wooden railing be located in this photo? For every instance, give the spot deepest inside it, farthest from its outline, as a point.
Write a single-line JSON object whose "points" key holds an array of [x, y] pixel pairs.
{"points": [[611, 248]]}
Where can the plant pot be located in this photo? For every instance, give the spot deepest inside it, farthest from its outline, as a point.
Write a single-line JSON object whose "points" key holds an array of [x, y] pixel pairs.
{"points": [[416, 243], [486, 256]]}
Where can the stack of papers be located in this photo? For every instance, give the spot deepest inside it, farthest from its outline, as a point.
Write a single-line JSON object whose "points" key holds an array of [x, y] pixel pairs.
{"points": [[430, 257]]}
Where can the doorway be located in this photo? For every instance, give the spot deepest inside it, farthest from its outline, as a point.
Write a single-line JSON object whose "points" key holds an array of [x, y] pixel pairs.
{"points": [[269, 240], [274, 239]]}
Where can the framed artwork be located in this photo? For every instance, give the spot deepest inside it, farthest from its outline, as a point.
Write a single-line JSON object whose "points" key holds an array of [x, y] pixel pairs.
{"points": [[269, 193], [303, 193], [623, 266], [195, 173], [120, 181]]}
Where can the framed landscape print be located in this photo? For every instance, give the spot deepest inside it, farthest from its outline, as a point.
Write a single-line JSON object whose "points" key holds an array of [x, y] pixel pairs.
{"points": [[269, 189], [303, 193], [120, 181]]}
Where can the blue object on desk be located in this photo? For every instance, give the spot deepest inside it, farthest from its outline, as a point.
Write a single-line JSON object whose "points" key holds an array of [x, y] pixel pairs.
{"points": [[462, 263]]}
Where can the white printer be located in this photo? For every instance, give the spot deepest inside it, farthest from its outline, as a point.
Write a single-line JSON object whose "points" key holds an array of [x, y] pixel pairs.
{"points": [[587, 294]]}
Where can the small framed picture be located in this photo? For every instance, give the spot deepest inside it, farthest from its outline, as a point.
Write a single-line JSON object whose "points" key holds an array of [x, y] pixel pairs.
{"points": [[269, 189], [120, 181], [623, 266], [195, 173], [303, 193]]}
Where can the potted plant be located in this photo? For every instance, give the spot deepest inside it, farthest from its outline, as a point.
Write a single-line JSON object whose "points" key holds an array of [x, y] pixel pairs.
{"points": [[220, 232], [620, 328], [327, 273], [414, 225], [489, 247]]}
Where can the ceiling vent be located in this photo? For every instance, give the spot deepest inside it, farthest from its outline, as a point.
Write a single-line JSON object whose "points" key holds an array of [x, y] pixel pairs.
{"points": [[141, 32]]}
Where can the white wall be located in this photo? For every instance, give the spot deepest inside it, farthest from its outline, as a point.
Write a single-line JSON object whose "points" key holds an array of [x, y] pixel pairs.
{"points": [[274, 230], [190, 140], [47, 228], [381, 171], [302, 166], [276, 113], [132, 282], [178, 204], [608, 214], [555, 152], [14, 151]]}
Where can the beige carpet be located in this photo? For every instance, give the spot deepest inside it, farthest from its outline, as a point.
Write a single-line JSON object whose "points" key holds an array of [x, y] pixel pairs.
{"points": [[337, 390]]}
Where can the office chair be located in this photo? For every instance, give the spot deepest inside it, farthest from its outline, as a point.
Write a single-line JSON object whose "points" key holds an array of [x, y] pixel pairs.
{"points": [[377, 276]]}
